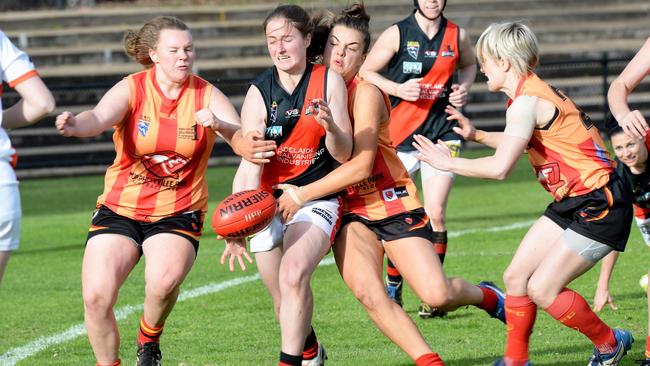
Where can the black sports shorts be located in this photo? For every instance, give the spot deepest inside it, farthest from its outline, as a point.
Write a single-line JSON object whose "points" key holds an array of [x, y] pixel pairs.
{"points": [[188, 225], [604, 215], [414, 223]]}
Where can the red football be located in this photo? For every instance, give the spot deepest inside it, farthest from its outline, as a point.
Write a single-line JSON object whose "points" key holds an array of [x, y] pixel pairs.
{"points": [[244, 213]]}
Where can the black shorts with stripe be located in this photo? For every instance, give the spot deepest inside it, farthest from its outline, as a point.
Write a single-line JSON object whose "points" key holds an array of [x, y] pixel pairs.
{"points": [[414, 223], [603, 215], [188, 225]]}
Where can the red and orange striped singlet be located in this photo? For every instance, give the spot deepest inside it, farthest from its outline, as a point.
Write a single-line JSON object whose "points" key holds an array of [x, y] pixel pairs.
{"points": [[389, 190], [568, 155], [161, 152]]}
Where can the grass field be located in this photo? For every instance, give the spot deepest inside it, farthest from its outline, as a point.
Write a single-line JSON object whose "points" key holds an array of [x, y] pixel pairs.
{"points": [[225, 318]]}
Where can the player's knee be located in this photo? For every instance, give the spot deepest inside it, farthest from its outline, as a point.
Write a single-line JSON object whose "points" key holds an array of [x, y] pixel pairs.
{"points": [[438, 297], [98, 300], [436, 215], [369, 299], [513, 279], [540, 293], [293, 278], [163, 287]]}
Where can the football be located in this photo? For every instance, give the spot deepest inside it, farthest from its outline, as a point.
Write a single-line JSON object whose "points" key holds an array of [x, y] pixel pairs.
{"points": [[244, 213]]}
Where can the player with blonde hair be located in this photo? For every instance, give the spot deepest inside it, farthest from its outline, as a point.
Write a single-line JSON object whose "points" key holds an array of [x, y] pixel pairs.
{"points": [[591, 213]]}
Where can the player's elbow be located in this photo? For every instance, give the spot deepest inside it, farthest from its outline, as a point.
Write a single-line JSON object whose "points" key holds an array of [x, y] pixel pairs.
{"points": [[502, 173], [41, 106]]}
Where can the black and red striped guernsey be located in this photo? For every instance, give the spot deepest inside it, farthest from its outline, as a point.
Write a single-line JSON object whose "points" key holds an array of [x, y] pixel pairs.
{"points": [[301, 156], [435, 61]]}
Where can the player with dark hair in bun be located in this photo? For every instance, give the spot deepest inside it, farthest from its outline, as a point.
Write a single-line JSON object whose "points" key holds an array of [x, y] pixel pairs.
{"points": [[166, 120], [421, 54], [301, 106], [381, 210]]}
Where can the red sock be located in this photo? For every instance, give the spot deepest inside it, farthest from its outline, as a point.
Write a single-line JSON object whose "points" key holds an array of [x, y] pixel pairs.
{"points": [[647, 347], [490, 300], [116, 363], [429, 359], [572, 310], [311, 346], [521, 312], [148, 333]]}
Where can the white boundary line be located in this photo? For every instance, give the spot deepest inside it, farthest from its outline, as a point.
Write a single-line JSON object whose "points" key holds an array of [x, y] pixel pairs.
{"points": [[17, 354]]}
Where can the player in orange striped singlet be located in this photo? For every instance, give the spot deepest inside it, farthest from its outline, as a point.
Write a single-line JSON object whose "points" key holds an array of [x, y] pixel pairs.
{"points": [[304, 113], [591, 212], [421, 54], [381, 206], [155, 196]]}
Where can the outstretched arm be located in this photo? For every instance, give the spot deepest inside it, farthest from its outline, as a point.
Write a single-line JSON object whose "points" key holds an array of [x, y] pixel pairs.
{"points": [[602, 295], [110, 111], [521, 119], [632, 122]]}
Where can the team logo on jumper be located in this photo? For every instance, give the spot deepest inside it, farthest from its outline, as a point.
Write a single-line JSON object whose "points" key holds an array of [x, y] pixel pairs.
{"points": [[448, 53], [549, 176], [274, 132], [409, 67], [274, 112], [392, 194], [165, 164], [430, 54], [143, 127], [291, 113], [413, 48]]}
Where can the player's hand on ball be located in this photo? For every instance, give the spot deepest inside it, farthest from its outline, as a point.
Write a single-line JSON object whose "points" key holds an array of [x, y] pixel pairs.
{"points": [[236, 250], [65, 123], [290, 201], [207, 119]]}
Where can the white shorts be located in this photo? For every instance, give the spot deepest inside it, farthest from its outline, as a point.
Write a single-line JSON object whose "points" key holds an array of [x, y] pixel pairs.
{"points": [[325, 214], [9, 216], [412, 164], [644, 228]]}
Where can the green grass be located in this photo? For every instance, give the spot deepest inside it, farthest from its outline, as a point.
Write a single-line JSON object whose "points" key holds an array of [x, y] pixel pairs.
{"points": [[41, 292]]}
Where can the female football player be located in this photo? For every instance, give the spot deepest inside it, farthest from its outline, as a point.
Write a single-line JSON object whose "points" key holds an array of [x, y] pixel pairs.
{"points": [[591, 213]]}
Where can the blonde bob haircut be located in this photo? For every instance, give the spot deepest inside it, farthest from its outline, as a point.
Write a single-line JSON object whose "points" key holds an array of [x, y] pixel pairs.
{"points": [[509, 41]]}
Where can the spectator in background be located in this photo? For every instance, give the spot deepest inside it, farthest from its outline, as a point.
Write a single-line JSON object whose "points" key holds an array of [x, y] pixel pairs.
{"points": [[18, 71]]}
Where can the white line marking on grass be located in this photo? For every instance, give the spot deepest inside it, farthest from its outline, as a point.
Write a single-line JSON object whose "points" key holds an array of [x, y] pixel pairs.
{"points": [[14, 355]]}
